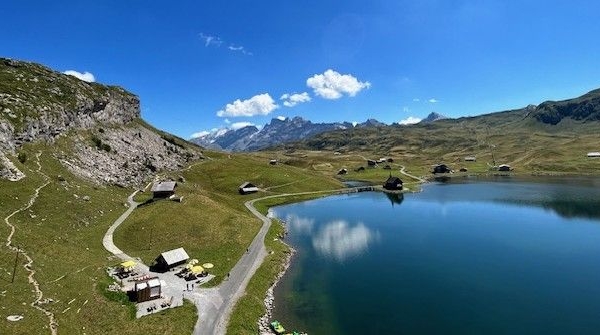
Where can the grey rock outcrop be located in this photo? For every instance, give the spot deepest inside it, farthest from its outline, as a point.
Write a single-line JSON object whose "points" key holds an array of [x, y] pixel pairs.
{"points": [[109, 142]]}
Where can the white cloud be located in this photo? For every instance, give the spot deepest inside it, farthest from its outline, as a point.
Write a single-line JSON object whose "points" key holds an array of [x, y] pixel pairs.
{"points": [[281, 118], [261, 104], [291, 100], [416, 100], [211, 40], [405, 109], [86, 76], [239, 48], [227, 121], [333, 85], [410, 120], [433, 100], [200, 134], [240, 125]]}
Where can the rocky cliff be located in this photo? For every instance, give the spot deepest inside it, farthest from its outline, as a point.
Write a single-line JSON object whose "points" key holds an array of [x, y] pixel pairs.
{"points": [[108, 142]]}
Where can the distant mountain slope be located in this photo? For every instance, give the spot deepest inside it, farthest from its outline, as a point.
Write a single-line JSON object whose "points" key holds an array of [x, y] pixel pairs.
{"points": [[584, 108], [432, 117], [276, 132], [535, 136], [108, 142]]}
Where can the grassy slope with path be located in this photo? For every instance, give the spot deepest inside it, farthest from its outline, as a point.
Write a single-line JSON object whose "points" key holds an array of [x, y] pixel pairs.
{"points": [[62, 233]]}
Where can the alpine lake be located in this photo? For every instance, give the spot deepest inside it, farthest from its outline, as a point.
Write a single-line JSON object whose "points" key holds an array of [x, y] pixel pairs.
{"points": [[502, 255]]}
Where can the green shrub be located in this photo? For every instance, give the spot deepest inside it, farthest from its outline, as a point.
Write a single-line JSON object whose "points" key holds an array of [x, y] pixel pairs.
{"points": [[22, 157]]}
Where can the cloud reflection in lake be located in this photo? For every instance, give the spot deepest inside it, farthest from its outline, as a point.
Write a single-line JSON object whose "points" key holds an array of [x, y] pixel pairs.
{"points": [[299, 225], [338, 240]]}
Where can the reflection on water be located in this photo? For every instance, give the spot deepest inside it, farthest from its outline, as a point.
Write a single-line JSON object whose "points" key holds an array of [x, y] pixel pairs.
{"points": [[395, 198], [339, 241], [299, 225]]}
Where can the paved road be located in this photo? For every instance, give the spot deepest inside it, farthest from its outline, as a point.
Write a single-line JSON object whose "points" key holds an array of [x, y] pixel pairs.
{"points": [[218, 302], [107, 241]]}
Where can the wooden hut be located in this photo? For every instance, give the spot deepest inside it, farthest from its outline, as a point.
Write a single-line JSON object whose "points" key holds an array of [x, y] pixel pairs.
{"points": [[441, 168], [148, 289], [273, 162], [170, 259], [593, 154], [247, 188], [470, 159], [393, 184], [163, 189], [504, 167]]}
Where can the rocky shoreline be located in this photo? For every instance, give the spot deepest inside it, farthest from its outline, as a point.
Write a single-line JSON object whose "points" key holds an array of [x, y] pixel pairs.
{"points": [[264, 321]]}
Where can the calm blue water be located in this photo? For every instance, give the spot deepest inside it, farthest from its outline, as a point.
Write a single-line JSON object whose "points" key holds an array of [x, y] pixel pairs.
{"points": [[476, 257]]}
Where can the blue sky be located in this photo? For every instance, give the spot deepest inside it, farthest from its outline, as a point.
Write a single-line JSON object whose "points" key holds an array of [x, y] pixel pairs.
{"points": [[198, 66]]}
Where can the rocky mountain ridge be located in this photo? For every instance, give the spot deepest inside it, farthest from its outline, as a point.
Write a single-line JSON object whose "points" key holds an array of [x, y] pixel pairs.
{"points": [[276, 132], [107, 140]]}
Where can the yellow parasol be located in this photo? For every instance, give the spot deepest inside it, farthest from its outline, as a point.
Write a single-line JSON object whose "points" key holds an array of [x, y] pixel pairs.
{"points": [[197, 269], [128, 265], [208, 265], [193, 261]]}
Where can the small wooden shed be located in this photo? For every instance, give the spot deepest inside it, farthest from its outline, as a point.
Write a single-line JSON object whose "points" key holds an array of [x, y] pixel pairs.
{"points": [[148, 289], [163, 189], [470, 159], [593, 154], [247, 188]]}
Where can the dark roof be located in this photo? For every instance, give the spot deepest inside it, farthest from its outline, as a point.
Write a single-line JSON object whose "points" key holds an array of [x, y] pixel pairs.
{"points": [[165, 186], [247, 184], [393, 180], [175, 256]]}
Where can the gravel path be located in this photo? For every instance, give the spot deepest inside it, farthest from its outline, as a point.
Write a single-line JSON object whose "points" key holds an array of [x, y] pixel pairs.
{"points": [[52, 323]]}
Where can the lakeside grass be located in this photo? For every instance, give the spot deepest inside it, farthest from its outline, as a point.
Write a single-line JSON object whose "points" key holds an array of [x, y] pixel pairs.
{"points": [[251, 306]]}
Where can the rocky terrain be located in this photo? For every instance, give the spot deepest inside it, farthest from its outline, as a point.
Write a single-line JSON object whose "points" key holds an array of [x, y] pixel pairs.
{"points": [[107, 142]]}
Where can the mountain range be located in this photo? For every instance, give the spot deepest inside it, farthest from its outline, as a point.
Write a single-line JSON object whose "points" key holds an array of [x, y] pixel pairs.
{"points": [[281, 131]]}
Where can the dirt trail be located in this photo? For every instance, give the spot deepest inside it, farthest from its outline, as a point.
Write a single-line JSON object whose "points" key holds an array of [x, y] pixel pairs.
{"points": [[53, 324]]}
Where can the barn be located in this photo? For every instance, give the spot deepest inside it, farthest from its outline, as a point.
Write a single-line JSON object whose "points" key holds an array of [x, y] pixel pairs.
{"points": [[163, 189], [170, 259], [247, 188]]}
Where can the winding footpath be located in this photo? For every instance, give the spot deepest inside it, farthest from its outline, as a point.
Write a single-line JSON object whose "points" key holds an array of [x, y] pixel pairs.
{"points": [[52, 323], [402, 168]]}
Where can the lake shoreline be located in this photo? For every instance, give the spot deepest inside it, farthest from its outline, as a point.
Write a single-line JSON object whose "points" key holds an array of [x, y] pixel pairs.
{"points": [[265, 320]]}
